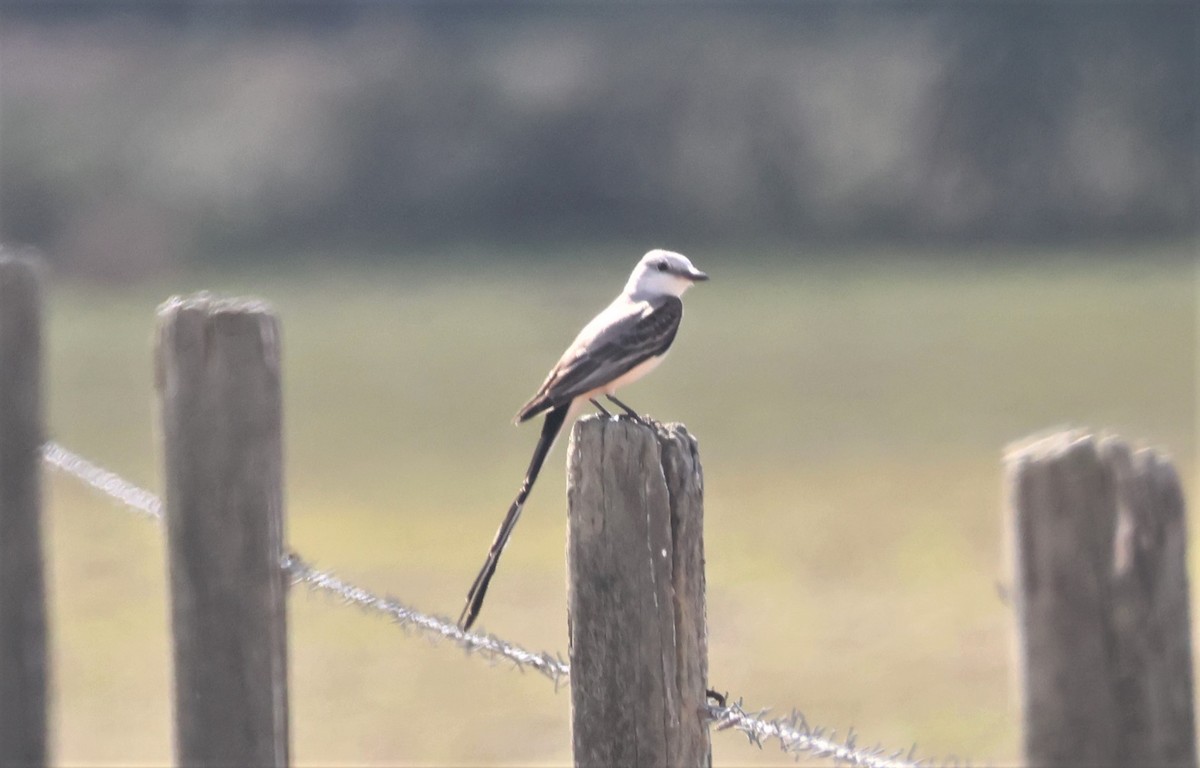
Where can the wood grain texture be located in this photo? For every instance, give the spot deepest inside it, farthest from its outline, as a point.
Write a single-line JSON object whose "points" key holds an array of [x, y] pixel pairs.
{"points": [[23, 658], [219, 393], [638, 638], [1098, 539]]}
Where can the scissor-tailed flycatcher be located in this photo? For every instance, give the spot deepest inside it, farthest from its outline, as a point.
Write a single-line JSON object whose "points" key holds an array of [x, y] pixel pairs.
{"points": [[619, 346]]}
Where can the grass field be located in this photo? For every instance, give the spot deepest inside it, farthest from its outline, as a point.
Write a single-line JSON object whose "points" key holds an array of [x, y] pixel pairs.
{"points": [[851, 415]]}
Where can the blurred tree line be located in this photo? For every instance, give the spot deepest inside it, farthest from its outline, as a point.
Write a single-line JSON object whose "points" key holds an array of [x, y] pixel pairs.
{"points": [[131, 135]]}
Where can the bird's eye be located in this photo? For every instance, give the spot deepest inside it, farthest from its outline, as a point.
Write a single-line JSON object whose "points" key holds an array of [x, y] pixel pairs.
{"points": [[662, 266]]}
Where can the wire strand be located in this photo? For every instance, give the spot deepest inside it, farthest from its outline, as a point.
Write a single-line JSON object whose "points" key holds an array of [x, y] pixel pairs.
{"points": [[488, 646], [793, 733], [133, 497]]}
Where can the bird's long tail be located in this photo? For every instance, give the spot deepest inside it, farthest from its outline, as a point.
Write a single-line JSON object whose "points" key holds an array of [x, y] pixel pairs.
{"points": [[550, 429]]}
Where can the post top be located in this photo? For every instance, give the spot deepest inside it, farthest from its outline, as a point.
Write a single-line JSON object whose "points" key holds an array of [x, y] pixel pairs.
{"points": [[208, 303], [1071, 442], [1049, 444], [25, 256], [20, 266], [662, 431]]}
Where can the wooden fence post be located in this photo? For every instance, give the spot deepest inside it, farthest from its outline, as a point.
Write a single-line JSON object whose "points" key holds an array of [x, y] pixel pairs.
{"points": [[22, 588], [1101, 596], [217, 371], [638, 635]]}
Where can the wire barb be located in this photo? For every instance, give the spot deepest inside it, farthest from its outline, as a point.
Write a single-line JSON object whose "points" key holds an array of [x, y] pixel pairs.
{"points": [[793, 732], [797, 737]]}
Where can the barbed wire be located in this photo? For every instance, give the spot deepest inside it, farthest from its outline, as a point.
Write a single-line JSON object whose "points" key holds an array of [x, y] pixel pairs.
{"points": [[109, 483], [797, 737], [148, 505], [488, 646], [793, 733]]}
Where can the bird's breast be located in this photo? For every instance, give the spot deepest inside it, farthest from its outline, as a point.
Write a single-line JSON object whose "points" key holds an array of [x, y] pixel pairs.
{"points": [[630, 376]]}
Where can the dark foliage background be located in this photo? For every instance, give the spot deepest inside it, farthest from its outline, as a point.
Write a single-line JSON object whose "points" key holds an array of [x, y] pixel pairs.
{"points": [[189, 128]]}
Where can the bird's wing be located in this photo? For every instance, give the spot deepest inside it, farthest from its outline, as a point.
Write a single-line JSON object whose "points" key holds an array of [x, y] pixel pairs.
{"points": [[623, 336]]}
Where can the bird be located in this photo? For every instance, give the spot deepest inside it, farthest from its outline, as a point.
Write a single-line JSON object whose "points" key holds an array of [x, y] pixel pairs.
{"points": [[627, 340]]}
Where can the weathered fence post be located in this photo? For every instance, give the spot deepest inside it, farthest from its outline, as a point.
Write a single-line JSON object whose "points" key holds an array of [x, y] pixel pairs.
{"points": [[22, 588], [1101, 594], [638, 636], [217, 372]]}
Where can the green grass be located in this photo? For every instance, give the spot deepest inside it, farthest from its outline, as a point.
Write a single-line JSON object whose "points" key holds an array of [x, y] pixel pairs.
{"points": [[851, 415]]}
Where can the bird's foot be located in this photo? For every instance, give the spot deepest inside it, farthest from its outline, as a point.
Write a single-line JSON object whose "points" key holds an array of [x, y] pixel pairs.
{"points": [[629, 413]]}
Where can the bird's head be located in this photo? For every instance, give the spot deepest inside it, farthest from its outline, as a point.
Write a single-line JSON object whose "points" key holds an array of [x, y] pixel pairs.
{"points": [[662, 273]]}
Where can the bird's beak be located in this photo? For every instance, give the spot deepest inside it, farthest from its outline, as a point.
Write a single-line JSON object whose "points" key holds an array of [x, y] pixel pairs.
{"points": [[696, 276]]}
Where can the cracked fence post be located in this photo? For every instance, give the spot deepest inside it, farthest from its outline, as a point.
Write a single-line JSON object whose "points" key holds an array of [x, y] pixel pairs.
{"points": [[23, 663], [1098, 541], [638, 634], [218, 380]]}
